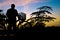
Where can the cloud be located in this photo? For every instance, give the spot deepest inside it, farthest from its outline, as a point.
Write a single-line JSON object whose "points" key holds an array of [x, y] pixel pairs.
{"points": [[24, 3], [18, 2]]}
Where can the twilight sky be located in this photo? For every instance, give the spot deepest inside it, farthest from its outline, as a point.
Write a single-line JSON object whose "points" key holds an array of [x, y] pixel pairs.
{"points": [[29, 6]]}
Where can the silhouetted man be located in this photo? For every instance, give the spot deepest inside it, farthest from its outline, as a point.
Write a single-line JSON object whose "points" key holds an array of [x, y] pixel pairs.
{"points": [[11, 14]]}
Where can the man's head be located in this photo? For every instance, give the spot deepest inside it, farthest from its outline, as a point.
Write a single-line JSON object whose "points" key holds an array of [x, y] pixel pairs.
{"points": [[12, 6]]}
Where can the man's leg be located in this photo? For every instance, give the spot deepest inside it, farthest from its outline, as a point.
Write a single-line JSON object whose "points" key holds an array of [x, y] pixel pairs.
{"points": [[10, 26], [14, 26]]}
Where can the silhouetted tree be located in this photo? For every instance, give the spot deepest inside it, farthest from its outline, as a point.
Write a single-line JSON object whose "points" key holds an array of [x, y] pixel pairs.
{"points": [[41, 14], [2, 14], [1, 10], [45, 8], [42, 10], [2, 19], [22, 16]]}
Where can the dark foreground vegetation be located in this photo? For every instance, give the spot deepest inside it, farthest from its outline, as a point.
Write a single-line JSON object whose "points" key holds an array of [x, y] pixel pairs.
{"points": [[31, 29], [11, 35]]}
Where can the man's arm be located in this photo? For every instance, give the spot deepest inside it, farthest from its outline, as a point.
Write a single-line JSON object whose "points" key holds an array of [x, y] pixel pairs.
{"points": [[16, 13], [7, 13]]}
